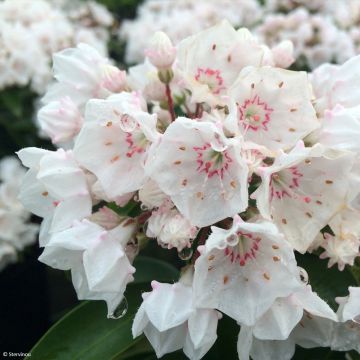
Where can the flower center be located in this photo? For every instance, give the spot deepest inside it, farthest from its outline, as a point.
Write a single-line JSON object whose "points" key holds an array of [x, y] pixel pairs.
{"points": [[286, 184], [211, 78], [246, 248], [137, 143], [212, 162], [255, 114]]}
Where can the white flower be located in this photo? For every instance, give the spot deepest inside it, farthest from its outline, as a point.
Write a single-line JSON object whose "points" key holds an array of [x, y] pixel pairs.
{"points": [[298, 205], [55, 187], [161, 51], [176, 323], [211, 60], [99, 266], [118, 132], [273, 106], [200, 170], [251, 261]]}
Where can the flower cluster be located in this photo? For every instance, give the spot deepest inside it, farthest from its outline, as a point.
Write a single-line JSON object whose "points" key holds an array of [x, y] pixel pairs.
{"points": [[222, 155], [16, 231], [31, 31], [332, 35]]}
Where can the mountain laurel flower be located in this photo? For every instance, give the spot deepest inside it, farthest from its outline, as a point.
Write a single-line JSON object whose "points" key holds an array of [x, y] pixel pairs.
{"points": [[219, 155], [161, 52]]}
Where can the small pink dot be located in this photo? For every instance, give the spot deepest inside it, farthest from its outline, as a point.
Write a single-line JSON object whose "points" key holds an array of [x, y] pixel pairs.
{"points": [[307, 199]]}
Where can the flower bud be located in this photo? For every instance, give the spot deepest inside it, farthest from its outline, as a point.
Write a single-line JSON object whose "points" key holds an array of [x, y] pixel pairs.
{"points": [[283, 54], [161, 51], [114, 79]]}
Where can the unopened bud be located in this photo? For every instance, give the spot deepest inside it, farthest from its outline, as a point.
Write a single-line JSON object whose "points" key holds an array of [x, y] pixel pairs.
{"points": [[161, 52]]}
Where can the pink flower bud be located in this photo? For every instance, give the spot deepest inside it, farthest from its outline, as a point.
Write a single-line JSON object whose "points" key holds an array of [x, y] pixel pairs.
{"points": [[161, 51], [114, 79], [283, 54]]}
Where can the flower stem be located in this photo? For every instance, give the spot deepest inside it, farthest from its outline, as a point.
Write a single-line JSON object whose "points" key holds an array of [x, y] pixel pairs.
{"points": [[198, 111], [170, 102]]}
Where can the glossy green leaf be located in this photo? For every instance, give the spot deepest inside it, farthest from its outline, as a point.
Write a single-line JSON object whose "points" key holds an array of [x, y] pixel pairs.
{"points": [[148, 269], [86, 333]]}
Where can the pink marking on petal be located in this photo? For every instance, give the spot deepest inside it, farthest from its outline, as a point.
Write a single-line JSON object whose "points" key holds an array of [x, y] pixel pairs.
{"points": [[255, 114], [212, 78], [246, 249], [212, 162], [134, 147]]}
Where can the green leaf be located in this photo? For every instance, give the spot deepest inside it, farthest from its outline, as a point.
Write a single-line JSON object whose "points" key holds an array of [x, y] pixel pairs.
{"points": [[148, 269], [138, 351], [328, 283], [86, 333], [132, 208]]}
